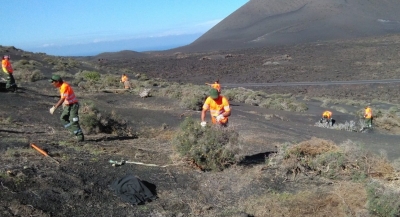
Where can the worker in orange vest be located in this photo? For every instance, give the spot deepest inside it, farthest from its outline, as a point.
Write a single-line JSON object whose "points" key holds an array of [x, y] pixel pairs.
{"points": [[69, 116], [125, 81], [326, 117], [215, 85], [219, 109], [7, 68], [368, 116]]}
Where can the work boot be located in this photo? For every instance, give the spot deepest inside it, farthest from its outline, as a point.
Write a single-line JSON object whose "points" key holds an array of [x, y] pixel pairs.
{"points": [[80, 138], [12, 88]]}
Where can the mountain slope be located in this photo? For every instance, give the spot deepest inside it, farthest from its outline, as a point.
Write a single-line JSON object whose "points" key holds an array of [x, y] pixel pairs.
{"points": [[273, 22]]}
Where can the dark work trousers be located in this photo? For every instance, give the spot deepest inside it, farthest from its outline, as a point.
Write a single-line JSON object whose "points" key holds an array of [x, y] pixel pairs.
{"points": [[368, 122], [10, 81], [70, 119]]}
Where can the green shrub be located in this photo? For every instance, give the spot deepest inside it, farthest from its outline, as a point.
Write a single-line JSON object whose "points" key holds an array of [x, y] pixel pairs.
{"points": [[109, 81], [91, 75], [192, 97], [94, 121], [346, 162], [173, 91], [210, 148], [382, 201], [64, 74], [192, 102], [28, 75], [142, 77], [36, 75], [24, 64], [26, 55], [284, 102]]}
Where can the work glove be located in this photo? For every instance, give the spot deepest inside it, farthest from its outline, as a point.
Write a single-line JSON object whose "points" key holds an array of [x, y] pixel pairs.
{"points": [[219, 117], [203, 123], [52, 109]]}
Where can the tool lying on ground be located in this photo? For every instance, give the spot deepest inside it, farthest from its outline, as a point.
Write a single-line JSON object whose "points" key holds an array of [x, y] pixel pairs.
{"points": [[43, 152], [122, 162]]}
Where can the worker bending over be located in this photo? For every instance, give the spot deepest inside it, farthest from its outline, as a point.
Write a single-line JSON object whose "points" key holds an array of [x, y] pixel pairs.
{"points": [[326, 117], [215, 85], [368, 117], [219, 109], [125, 81]]}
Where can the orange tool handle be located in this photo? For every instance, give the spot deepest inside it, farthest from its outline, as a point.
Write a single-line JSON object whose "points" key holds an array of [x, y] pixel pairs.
{"points": [[39, 149]]}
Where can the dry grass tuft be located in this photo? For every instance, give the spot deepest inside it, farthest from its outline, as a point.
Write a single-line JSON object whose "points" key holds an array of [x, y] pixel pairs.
{"points": [[318, 157], [27, 75], [313, 147], [388, 121], [343, 199]]}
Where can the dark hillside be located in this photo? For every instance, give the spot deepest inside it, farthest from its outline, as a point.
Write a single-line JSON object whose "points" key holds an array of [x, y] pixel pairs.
{"points": [[125, 54], [272, 22]]}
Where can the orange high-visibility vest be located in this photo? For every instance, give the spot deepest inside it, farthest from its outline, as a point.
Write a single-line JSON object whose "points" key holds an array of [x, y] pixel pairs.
{"points": [[217, 107], [368, 113], [216, 86], [6, 65], [68, 94], [328, 114], [124, 78]]}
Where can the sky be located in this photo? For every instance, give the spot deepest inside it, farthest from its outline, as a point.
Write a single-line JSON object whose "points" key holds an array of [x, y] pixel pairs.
{"points": [[90, 27]]}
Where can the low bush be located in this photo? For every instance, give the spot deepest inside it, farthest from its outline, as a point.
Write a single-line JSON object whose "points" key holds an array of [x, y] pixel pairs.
{"points": [[28, 75], [94, 121], [108, 81], [382, 200], [29, 65], [351, 126], [210, 148], [64, 74], [348, 161], [258, 98], [91, 75]]}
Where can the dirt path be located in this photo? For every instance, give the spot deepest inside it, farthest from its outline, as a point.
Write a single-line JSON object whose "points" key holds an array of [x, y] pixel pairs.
{"points": [[294, 84]]}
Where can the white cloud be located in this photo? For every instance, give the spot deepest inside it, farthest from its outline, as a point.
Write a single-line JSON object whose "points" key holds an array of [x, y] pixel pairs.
{"points": [[48, 45], [209, 24]]}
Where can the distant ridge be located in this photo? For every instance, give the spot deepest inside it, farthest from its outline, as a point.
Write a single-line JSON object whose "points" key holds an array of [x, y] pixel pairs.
{"points": [[125, 54], [262, 23]]}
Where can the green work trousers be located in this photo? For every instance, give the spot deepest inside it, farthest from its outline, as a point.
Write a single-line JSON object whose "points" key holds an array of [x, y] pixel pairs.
{"points": [[368, 122], [70, 119], [10, 81]]}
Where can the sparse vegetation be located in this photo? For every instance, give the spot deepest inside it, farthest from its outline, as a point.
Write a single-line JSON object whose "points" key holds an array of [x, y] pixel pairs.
{"points": [[360, 177], [91, 75], [335, 162], [25, 64], [383, 200], [26, 75], [258, 98]]}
